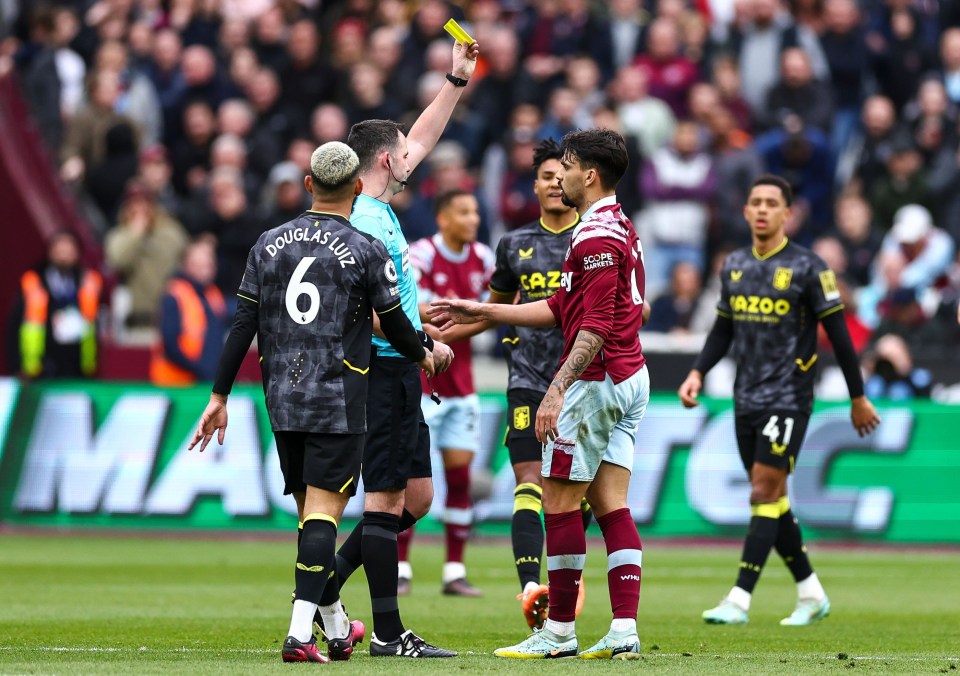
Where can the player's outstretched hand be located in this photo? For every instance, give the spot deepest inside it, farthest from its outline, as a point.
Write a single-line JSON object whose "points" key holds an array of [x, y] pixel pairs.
{"points": [[442, 356], [864, 415], [464, 59], [446, 312], [427, 364], [214, 418], [548, 414], [690, 389]]}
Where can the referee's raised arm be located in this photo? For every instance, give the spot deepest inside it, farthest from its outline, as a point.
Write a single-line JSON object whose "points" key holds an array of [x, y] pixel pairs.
{"points": [[426, 131]]}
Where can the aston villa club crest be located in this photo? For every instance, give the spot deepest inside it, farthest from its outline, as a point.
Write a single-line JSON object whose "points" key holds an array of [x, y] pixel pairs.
{"points": [[781, 278], [521, 417]]}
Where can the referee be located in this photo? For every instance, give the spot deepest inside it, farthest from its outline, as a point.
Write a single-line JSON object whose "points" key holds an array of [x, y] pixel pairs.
{"points": [[319, 278], [396, 465], [774, 294]]}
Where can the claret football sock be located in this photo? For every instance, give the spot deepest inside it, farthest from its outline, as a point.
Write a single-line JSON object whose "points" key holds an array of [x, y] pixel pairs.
{"points": [[624, 559], [566, 554], [458, 515]]}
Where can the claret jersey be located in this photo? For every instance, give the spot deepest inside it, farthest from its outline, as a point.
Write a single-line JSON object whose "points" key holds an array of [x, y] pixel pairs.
{"points": [[601, 291], [315, 280], [775, 302], [529, 260]]}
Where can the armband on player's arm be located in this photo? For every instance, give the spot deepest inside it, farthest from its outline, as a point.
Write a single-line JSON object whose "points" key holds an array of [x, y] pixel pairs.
{"points": [[401, 334], [238, 342], [716, 346], [836, 327]]}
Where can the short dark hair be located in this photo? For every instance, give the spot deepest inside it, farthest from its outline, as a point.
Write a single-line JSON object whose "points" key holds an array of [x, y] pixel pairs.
{"points": [[777, 182], [371, 137], [443, 200], [547, 149], [600, 149]]}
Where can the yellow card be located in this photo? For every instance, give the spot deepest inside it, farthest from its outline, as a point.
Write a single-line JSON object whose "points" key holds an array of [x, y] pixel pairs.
{"points": [[456, 30]]}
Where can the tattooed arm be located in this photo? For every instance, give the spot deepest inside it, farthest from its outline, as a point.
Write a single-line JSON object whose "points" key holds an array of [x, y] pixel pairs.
{"points": [[586, 346]]}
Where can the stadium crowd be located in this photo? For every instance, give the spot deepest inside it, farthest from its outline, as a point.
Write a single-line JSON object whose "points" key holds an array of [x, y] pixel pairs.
{"points": [[195, 119]]}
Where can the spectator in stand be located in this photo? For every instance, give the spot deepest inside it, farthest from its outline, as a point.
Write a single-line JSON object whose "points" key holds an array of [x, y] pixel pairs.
{"points": [[191, 154], [672, 312], [561, 114], [932, 119], [144, 249], [625, 36], [701, 102], [154, 173], [769, 31], [798, 93], [37, 65], [861, 241], [138, 98], [905, 182], [275, 125], [56, 315], [463, 128], [802, 156], [367, 98], [704, 315], [283, 196], [863, 161], [631, 201], [669, 73], [726, 78], [944, 184], [844, 44], [950, 63], [306, 79], [646, 117], [736, 165], [504, 86], [914, 258], [678, 182], [384, 49], [518, 204], [192, 322], [230, 151], [202, 82], [269, 36], [901, 44], [105, 180], [166, 75], [525, 119], [328, 123], [583, 79], [86, 141], [448, 172], [891, 374]]}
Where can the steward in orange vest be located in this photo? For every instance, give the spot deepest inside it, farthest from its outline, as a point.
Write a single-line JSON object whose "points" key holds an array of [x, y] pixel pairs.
{"points": [[60, 303], [193, 322]]}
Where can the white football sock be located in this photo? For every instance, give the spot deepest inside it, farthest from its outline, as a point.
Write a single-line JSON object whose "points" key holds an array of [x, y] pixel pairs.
{"points": [[336, 624], [561, 629], [623, 625], [453, 570], [301, 621], [810, 588], [405, 570], [741, 597]]}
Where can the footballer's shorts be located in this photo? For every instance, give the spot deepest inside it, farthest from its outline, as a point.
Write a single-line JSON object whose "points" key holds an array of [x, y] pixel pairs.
{"points": [[327, 461], [771, 437], [521, 441], [598, 423], [397, 443], [454, 423]]}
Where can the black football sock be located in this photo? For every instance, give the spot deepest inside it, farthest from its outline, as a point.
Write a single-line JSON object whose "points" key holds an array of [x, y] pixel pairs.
{"points": [[379, 545], [526, 531], [349, 556], [789, 544], [315, 556], [764, 525]]}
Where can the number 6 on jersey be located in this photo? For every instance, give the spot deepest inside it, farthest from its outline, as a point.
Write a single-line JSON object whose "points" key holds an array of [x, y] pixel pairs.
{"points": [[297, 288]]}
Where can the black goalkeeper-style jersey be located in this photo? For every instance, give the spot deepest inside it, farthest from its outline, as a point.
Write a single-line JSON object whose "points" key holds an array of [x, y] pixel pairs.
{"points": [[775, 302], [529, 260], [315, 280]]}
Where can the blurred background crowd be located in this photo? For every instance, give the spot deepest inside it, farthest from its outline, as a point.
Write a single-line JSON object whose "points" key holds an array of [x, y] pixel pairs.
{"points": [[184, 128]]}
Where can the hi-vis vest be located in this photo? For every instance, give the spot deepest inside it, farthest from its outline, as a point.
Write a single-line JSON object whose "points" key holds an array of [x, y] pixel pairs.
{"points": [[33, 330], [193, 330]]}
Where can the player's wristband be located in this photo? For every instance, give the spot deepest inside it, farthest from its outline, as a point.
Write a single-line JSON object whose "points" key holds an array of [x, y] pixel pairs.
{"points": [[457, 81], [425, 340]]}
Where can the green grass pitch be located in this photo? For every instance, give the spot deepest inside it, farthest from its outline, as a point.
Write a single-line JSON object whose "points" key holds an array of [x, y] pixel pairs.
{"points": [[94, 605]]}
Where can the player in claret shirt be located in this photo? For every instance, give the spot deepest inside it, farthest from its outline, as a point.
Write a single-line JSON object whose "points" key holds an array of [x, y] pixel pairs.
{"points": [[774, 294], [589, 418]]}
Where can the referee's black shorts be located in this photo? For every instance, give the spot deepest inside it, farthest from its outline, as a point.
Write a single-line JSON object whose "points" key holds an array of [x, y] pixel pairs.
{"points": [[327, 461], [521, 438], [397, 443]]}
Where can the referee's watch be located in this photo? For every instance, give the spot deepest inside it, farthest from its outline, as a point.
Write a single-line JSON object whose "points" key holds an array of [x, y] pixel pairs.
{"points": [[457, 81]]}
